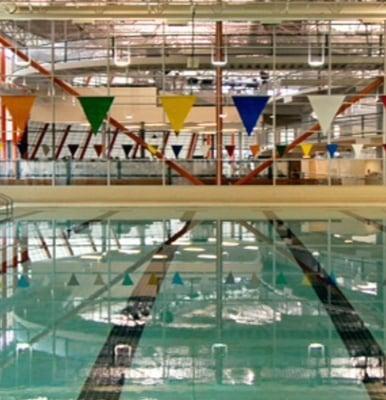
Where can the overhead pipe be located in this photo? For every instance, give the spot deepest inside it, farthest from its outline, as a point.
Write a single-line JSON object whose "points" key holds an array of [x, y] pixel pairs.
{"points": [[263, 12], [112, 121]]}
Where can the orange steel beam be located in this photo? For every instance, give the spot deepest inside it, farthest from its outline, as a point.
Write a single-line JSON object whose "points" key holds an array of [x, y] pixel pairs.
{"points": [[115, 123], [39, 141], [316, 128]]}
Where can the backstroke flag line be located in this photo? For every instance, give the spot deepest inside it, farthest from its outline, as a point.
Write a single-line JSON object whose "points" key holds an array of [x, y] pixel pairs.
{"points": [[96, 109], [177, 109], [325, 108], [250, 109], [20, 108]]}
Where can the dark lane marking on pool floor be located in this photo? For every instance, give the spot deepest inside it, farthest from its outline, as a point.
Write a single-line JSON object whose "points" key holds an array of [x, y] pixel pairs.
{"points": [[102, 382], [358, 340]]}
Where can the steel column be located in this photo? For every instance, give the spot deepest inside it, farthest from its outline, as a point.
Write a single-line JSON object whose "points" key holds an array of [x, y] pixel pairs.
{"points": [[219, 109]]}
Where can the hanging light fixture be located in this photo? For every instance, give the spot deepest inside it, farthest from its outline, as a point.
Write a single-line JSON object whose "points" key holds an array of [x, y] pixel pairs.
{"points": [[219, 62], [16, 59], [122, 54], [317, 62]]}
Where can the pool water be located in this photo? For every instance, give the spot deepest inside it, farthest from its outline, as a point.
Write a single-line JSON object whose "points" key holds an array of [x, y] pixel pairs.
{"points": [[153, 304]]}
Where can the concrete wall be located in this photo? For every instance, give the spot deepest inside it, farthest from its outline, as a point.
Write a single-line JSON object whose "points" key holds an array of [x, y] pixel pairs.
{"points": [[254, 196]]}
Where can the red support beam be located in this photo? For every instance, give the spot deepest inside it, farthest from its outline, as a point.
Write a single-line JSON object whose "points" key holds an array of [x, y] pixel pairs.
{"points": [[42, 241], [136, 148], [63, 141], [113, 140], [67, 242], [3, 76], [316, 128], [66, 87], [39, 141], [86, 144], [165, 142]]}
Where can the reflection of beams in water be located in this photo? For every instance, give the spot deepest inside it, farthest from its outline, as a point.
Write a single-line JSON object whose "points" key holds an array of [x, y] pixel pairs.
{"points": [[97, 294], [95, 385], [358, 340]]}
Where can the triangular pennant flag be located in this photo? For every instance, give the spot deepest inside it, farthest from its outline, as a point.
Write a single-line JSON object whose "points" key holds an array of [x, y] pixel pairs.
{"points": [[176, 149], [230, 279], [250, 109], [96, 109], [281, 148], [73, 148], [73, 281], [357, 147], [281, 280], [23, 148], [98, 149], [177, 279], [23, 282], [254, 283], [127, 281], [306, 149], [307, 280], [127, 148], [20, 109], [325, 108], [230, 148], [384, 147], [177, 109], [99, 280], [45, 149], [332, 148], [153, 280], [383, 98], [153, 148], [255, 149]]}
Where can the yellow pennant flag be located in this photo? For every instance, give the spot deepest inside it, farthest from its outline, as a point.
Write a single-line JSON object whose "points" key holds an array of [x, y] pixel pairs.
{"points": [[177, 109], [153, 280], [153, 148], [307, 280], [306, 149], [20, 109]]}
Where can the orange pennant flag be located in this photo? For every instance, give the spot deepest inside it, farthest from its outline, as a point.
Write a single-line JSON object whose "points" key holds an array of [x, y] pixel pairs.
{"points": [[20, 109], [255, 149]]}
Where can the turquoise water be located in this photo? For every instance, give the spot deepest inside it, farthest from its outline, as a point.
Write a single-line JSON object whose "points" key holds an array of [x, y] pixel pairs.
{"points": [[152, 304]]}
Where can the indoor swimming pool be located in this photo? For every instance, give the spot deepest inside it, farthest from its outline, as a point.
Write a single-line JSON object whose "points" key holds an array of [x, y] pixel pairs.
{"points": [[185, 303]]}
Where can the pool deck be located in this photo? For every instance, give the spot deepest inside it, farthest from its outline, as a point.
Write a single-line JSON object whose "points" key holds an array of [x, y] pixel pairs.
{"points": [[208, 196]]}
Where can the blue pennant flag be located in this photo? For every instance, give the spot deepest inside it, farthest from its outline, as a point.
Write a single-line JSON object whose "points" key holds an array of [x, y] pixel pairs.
{"points": [[331, 280], [23, 282], [177, 279], [332, 148], [250, 109], [177, 149]]}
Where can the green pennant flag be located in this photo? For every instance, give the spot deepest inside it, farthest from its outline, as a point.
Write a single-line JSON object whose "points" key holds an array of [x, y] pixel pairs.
{"points": [[281, 148], [99, 280], [96, 109], [73, 281], [127, 281]]}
